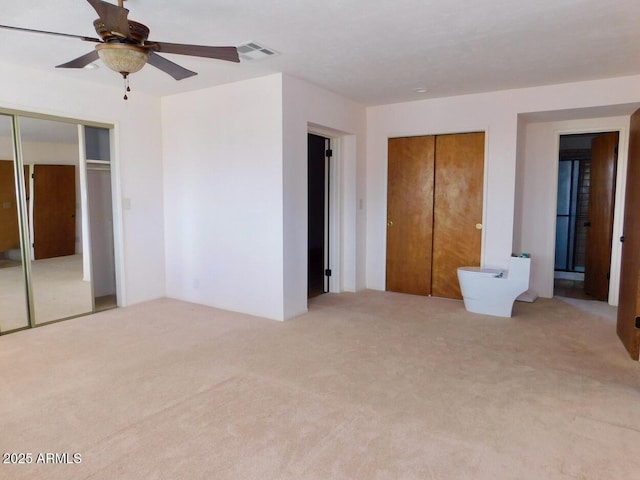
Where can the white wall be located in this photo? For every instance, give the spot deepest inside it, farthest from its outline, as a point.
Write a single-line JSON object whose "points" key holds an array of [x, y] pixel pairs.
{"points": [[309, 107], [223, 196], [537, 195], [137, 163], [489, 113], [235, 177], [235, 161], [42, 153], [48, 153], [497, 114]]}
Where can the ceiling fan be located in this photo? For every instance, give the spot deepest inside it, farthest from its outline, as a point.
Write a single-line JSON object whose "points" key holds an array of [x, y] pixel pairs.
{"points": [[124, 48]]}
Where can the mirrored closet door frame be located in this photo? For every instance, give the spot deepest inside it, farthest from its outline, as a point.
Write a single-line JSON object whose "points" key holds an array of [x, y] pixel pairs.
{"points": [[92, 205]]}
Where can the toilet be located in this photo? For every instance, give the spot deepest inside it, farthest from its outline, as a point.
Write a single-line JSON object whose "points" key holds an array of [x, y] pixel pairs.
{"points": [[492, 291]]}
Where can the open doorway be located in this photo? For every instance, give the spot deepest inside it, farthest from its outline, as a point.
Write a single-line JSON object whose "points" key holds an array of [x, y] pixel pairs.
{"points": [[318, 177], [585, 212], [100, 217]]}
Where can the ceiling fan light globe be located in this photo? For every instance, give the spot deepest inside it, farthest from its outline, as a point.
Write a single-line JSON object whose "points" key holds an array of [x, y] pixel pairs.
{"points": [[122, 57]]}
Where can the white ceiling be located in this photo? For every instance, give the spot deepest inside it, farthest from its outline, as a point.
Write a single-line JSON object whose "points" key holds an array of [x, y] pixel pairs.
{"points": [[372, 51]]}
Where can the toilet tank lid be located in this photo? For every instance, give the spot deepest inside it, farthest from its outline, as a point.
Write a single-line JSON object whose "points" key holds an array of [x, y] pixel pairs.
{"points": [[482, 272]]}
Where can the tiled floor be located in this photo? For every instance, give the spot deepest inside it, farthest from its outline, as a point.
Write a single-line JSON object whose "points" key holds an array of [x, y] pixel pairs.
{"points": [[570, 288]]}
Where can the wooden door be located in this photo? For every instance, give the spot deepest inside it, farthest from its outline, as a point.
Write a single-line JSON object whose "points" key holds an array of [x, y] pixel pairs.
{"points": [[54, 210], [410, 214], [9, 233], [629, 300], [604, 156], [458, 199]]}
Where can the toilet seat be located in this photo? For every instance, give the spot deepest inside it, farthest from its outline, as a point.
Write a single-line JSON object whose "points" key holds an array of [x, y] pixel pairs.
{"points": [[482, 272]]}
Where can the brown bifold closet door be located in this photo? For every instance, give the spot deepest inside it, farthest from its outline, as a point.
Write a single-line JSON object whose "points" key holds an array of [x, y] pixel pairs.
{"points": [[458, 197], [434, 211], [410, 214]]}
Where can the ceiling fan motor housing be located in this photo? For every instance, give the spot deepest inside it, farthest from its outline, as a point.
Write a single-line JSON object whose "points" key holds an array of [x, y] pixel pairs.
{"points": [[138, 33]]}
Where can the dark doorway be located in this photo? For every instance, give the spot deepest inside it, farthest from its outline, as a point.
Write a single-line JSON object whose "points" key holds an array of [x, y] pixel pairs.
{"points": [[318, 158], [584, 223]]}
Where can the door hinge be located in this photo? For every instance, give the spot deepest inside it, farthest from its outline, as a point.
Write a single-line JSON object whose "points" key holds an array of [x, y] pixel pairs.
{"points": [[637, 322], [615, 150], [329, 153], [608, 275], [622, 239], [327, 272]]}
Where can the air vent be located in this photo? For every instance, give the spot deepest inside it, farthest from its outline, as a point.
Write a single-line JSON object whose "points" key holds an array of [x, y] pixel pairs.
{"points": [[254, 51]]}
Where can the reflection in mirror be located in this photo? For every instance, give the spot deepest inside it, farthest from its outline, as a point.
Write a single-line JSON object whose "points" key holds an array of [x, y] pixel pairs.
{"points": [[61, 284], [97, 144], [13, 299]]}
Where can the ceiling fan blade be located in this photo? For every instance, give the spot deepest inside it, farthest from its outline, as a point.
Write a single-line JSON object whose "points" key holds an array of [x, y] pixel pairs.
{"points": [[82, 61], [113, 16], [220, 53], [70, 35], [167, 66]]}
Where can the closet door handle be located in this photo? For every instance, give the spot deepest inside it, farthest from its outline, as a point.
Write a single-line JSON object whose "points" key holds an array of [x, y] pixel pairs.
{"points": [[478, 226], [389, 224]]}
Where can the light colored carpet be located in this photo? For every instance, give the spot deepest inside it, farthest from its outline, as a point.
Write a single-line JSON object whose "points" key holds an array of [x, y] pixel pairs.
{"points": [[373, 385], [58, 292], [595, 307]]}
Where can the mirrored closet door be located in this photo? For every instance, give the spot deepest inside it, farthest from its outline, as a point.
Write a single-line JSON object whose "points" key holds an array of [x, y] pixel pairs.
{"points": [[14, 308], [52, 242]]}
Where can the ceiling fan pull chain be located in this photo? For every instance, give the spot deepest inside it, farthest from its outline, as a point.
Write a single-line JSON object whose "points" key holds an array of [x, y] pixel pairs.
{"points": [[125, 76]]}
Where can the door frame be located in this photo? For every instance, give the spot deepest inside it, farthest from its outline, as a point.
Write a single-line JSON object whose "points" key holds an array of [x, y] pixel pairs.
{"points": [[318, 147], [618, 212], [334, 211]]}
